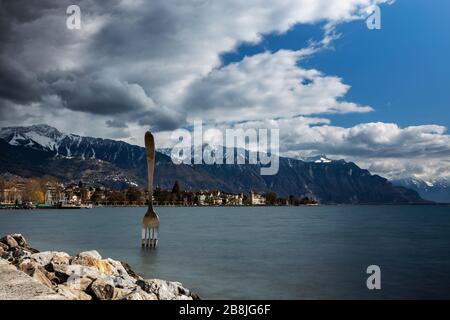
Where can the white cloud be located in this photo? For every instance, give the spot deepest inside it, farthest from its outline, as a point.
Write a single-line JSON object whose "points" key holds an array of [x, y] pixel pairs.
{"points": [[268, 85], [383, 148]]}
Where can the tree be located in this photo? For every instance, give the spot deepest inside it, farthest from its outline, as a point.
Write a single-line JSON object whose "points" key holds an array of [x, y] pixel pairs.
{"points": [[135, 195], [2, 188], [39, 197], [116, 197], [97, 197], [291, 199], [176, 189], [31, 189], [271, 198]]}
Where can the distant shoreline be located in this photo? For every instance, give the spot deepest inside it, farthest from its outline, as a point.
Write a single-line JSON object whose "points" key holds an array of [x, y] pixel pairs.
{"points": [[13, 208]]}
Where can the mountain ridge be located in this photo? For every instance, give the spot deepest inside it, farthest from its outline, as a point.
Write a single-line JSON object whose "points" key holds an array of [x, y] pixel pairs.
{"points": [[437, 190], [72, 157]]}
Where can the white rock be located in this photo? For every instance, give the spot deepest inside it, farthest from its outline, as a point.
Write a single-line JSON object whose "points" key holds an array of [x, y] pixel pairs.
{"points": [[140, 294], [78, 283], [165, 290], [72, 294], [44, 258], [78, 271], [92, 254], [102, 289], [122, 278]]}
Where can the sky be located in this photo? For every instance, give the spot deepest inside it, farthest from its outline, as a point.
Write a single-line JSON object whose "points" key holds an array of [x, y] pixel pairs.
{"points": [[312, 69]]}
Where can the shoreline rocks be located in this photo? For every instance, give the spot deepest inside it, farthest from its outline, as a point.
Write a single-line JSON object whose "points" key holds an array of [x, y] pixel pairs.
{"points": [[87, 276]]}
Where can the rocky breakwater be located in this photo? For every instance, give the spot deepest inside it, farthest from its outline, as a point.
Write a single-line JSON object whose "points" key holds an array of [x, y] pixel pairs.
{"points": [[87, 276]]}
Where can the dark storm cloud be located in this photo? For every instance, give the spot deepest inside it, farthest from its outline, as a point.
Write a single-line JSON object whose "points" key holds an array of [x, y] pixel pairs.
{"points": [[100, 95], [16, 83], [116, 124], [92, 70], [40, 57]]}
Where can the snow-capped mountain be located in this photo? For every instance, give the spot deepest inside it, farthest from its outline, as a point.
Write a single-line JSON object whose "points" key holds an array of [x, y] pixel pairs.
{"points": [[319, 159], [40, 137], [431, 189], [46, 138], [209, 153], [42, 150]]}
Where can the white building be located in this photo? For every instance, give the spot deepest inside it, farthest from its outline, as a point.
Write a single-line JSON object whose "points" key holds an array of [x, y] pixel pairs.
{"points": [[257, 199]]}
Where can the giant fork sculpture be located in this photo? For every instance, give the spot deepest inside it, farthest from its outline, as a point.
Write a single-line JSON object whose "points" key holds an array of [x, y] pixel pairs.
{"points": [[150, 222]]}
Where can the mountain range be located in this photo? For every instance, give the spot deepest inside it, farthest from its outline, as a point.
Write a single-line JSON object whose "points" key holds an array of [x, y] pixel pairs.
{"points": [[43, 150], [437, 190]]}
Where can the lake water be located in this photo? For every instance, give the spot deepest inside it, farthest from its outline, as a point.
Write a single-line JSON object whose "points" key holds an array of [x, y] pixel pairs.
{"points": [[263, 252]]}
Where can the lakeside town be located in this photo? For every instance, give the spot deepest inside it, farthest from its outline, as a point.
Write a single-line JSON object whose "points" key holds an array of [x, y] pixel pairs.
{"points": [[47, 193]]}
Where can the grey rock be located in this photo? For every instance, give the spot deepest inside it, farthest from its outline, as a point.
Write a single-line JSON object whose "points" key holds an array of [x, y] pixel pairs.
{"points": [[9, 241], [60, 259], [45, 257], [3, 247], [19, 254], [165, 290], [90, 260], [122, 278], [140, 294], [130, 271], [36, 271], [64, 272], [91, 254], [120, 282], [120, 294], [72, 294], [7, 255], [52, 277], [102, 290], [20, 240], [79, 283], [16, 285]]}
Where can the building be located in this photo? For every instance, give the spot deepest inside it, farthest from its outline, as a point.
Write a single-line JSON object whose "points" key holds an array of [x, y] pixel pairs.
{"points": [[12, 195], [202, 199], [256, 199], [234, 199]]}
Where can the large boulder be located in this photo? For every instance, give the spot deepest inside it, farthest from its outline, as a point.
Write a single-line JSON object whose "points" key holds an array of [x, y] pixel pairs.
{"points": [[45, 257], [7, 255], [120, 294], [165, 290], [102, 290], [122, 283], [122, 278], [20, 254], [9, 241], [91, 254], [36, 271], [72, 294], [64, 272], [88, 260], [20, 239], [139, 294], [79, 283], [130, 271], [3, 247]]}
